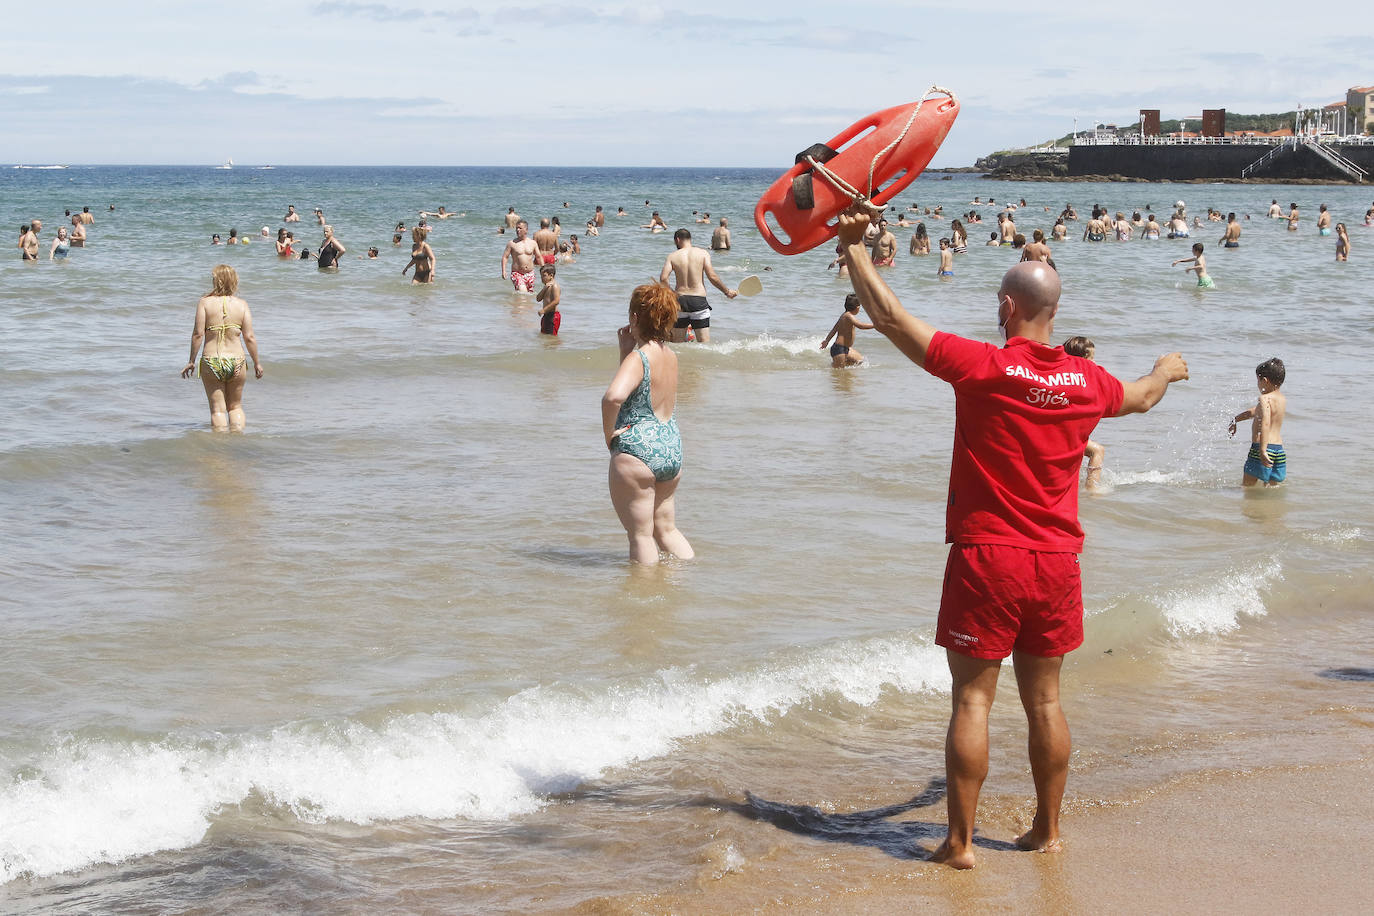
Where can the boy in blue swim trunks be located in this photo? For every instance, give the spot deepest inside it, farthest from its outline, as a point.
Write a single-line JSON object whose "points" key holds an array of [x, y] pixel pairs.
{"points": [[946, 259], [842, 352], [1266, 462]]}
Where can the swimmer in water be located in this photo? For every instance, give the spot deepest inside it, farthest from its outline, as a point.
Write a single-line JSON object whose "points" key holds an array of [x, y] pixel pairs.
{"points": [[1342, 243], [946, 260], [839, 259], [1094, 452], [1199, 265], [646, 449], [842, 352], [1265, 462], [1231, 238], [421, 258], [549, 297], [920, 241], [224, 325], [61, 245]]}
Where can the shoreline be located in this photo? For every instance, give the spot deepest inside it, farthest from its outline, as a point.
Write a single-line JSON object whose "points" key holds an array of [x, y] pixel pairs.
{"points": [[1217, 840]]}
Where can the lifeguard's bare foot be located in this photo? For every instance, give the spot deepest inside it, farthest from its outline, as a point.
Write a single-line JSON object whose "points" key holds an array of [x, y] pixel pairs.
{"points": [[946, 855], [1033, 841]]}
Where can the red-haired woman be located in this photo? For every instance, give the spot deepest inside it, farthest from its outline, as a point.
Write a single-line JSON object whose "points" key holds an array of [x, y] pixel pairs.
{"points": [[646, 450]]}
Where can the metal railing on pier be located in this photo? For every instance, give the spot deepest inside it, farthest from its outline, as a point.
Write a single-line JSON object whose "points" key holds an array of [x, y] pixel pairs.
{"points": [[1134, 140]]}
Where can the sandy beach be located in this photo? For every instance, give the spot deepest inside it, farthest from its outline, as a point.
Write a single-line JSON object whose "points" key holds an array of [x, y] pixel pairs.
{"points": [[1277, 839]]}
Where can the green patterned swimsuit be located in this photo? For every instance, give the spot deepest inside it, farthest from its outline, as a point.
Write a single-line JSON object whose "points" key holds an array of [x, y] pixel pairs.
{"points": [[653, 441]]}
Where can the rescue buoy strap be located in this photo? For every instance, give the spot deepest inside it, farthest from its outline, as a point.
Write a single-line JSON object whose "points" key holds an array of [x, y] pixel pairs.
{"points": [[816, 161], [818, 151]]}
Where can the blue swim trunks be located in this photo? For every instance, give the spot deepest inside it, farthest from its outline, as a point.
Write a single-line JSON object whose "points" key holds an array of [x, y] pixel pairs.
{"points": [[1256, 469], [946, 273]]}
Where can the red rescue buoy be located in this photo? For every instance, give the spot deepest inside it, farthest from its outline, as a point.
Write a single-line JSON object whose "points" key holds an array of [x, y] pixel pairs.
{"points": [[900, 142]]}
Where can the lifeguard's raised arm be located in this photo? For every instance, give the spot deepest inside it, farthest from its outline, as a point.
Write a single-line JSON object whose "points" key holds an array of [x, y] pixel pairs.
{"points": [[1147, 391], [910, 334]]}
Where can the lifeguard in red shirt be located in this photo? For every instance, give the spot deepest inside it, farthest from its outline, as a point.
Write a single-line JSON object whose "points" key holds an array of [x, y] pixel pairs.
{"points": [[1023, 414]]}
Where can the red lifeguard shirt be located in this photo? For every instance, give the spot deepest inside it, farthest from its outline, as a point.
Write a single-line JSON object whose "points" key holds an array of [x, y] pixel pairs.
{"points": [[1022, 416]]}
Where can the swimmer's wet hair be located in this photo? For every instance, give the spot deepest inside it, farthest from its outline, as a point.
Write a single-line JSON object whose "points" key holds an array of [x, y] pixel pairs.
{"points": [[681, 235], [851, 302], [1271, 370], [653, 311], [548, 269], [224, 281], [1079, 346]]}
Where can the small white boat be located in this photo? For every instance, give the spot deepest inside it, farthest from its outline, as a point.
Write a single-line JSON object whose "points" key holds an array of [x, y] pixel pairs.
{"points": [[228, 164]]}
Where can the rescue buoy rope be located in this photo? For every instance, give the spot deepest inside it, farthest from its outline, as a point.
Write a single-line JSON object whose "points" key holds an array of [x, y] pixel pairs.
{"points": [[846, 187]]}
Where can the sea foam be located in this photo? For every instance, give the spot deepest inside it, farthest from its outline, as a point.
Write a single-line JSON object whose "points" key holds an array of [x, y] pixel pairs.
{"points": [[1217, 606], [84, 801], [763, 343]]}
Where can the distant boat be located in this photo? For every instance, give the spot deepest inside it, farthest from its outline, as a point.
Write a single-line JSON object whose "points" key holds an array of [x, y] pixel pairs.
{"points": [[228, 164], [263, 168], [41, 168]]}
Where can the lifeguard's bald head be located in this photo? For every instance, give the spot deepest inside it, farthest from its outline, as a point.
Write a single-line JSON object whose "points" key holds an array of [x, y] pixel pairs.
{"points": [[1032, 289]]}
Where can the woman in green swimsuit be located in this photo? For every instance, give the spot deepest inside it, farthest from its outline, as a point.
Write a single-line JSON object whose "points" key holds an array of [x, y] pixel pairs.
{"points": [[646, 449], [225, 325]]}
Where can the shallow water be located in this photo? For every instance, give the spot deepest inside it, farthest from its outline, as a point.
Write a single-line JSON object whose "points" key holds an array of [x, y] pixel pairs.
{"points": [[384, 650]]}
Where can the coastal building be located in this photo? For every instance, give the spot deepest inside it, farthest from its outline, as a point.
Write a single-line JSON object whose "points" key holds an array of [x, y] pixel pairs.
{"points": [[1360, 102]]}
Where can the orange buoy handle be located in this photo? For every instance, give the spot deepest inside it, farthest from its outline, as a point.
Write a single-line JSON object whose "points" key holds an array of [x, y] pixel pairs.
{"points": [[890, 147]]}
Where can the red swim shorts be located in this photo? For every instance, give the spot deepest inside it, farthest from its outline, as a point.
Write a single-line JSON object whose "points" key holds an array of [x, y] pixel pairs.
{"points": [[998, 598]]}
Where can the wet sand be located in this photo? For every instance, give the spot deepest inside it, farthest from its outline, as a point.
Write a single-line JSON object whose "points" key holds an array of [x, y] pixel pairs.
{"points": [[1278, 839]]}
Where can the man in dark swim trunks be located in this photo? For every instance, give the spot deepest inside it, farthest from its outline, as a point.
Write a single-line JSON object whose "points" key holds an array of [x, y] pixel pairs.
{"points": [[689, 265], [1232, 237]]}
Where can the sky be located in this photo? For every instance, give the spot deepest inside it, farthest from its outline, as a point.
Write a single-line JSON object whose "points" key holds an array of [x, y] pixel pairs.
{"points": [[624, 84]]}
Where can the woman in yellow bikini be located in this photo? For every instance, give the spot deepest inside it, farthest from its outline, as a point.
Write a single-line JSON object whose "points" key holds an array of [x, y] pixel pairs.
{"points": [[225, 326]]}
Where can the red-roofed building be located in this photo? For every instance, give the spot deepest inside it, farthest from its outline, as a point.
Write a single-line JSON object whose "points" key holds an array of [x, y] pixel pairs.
{"points": [[1360, 101]]}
